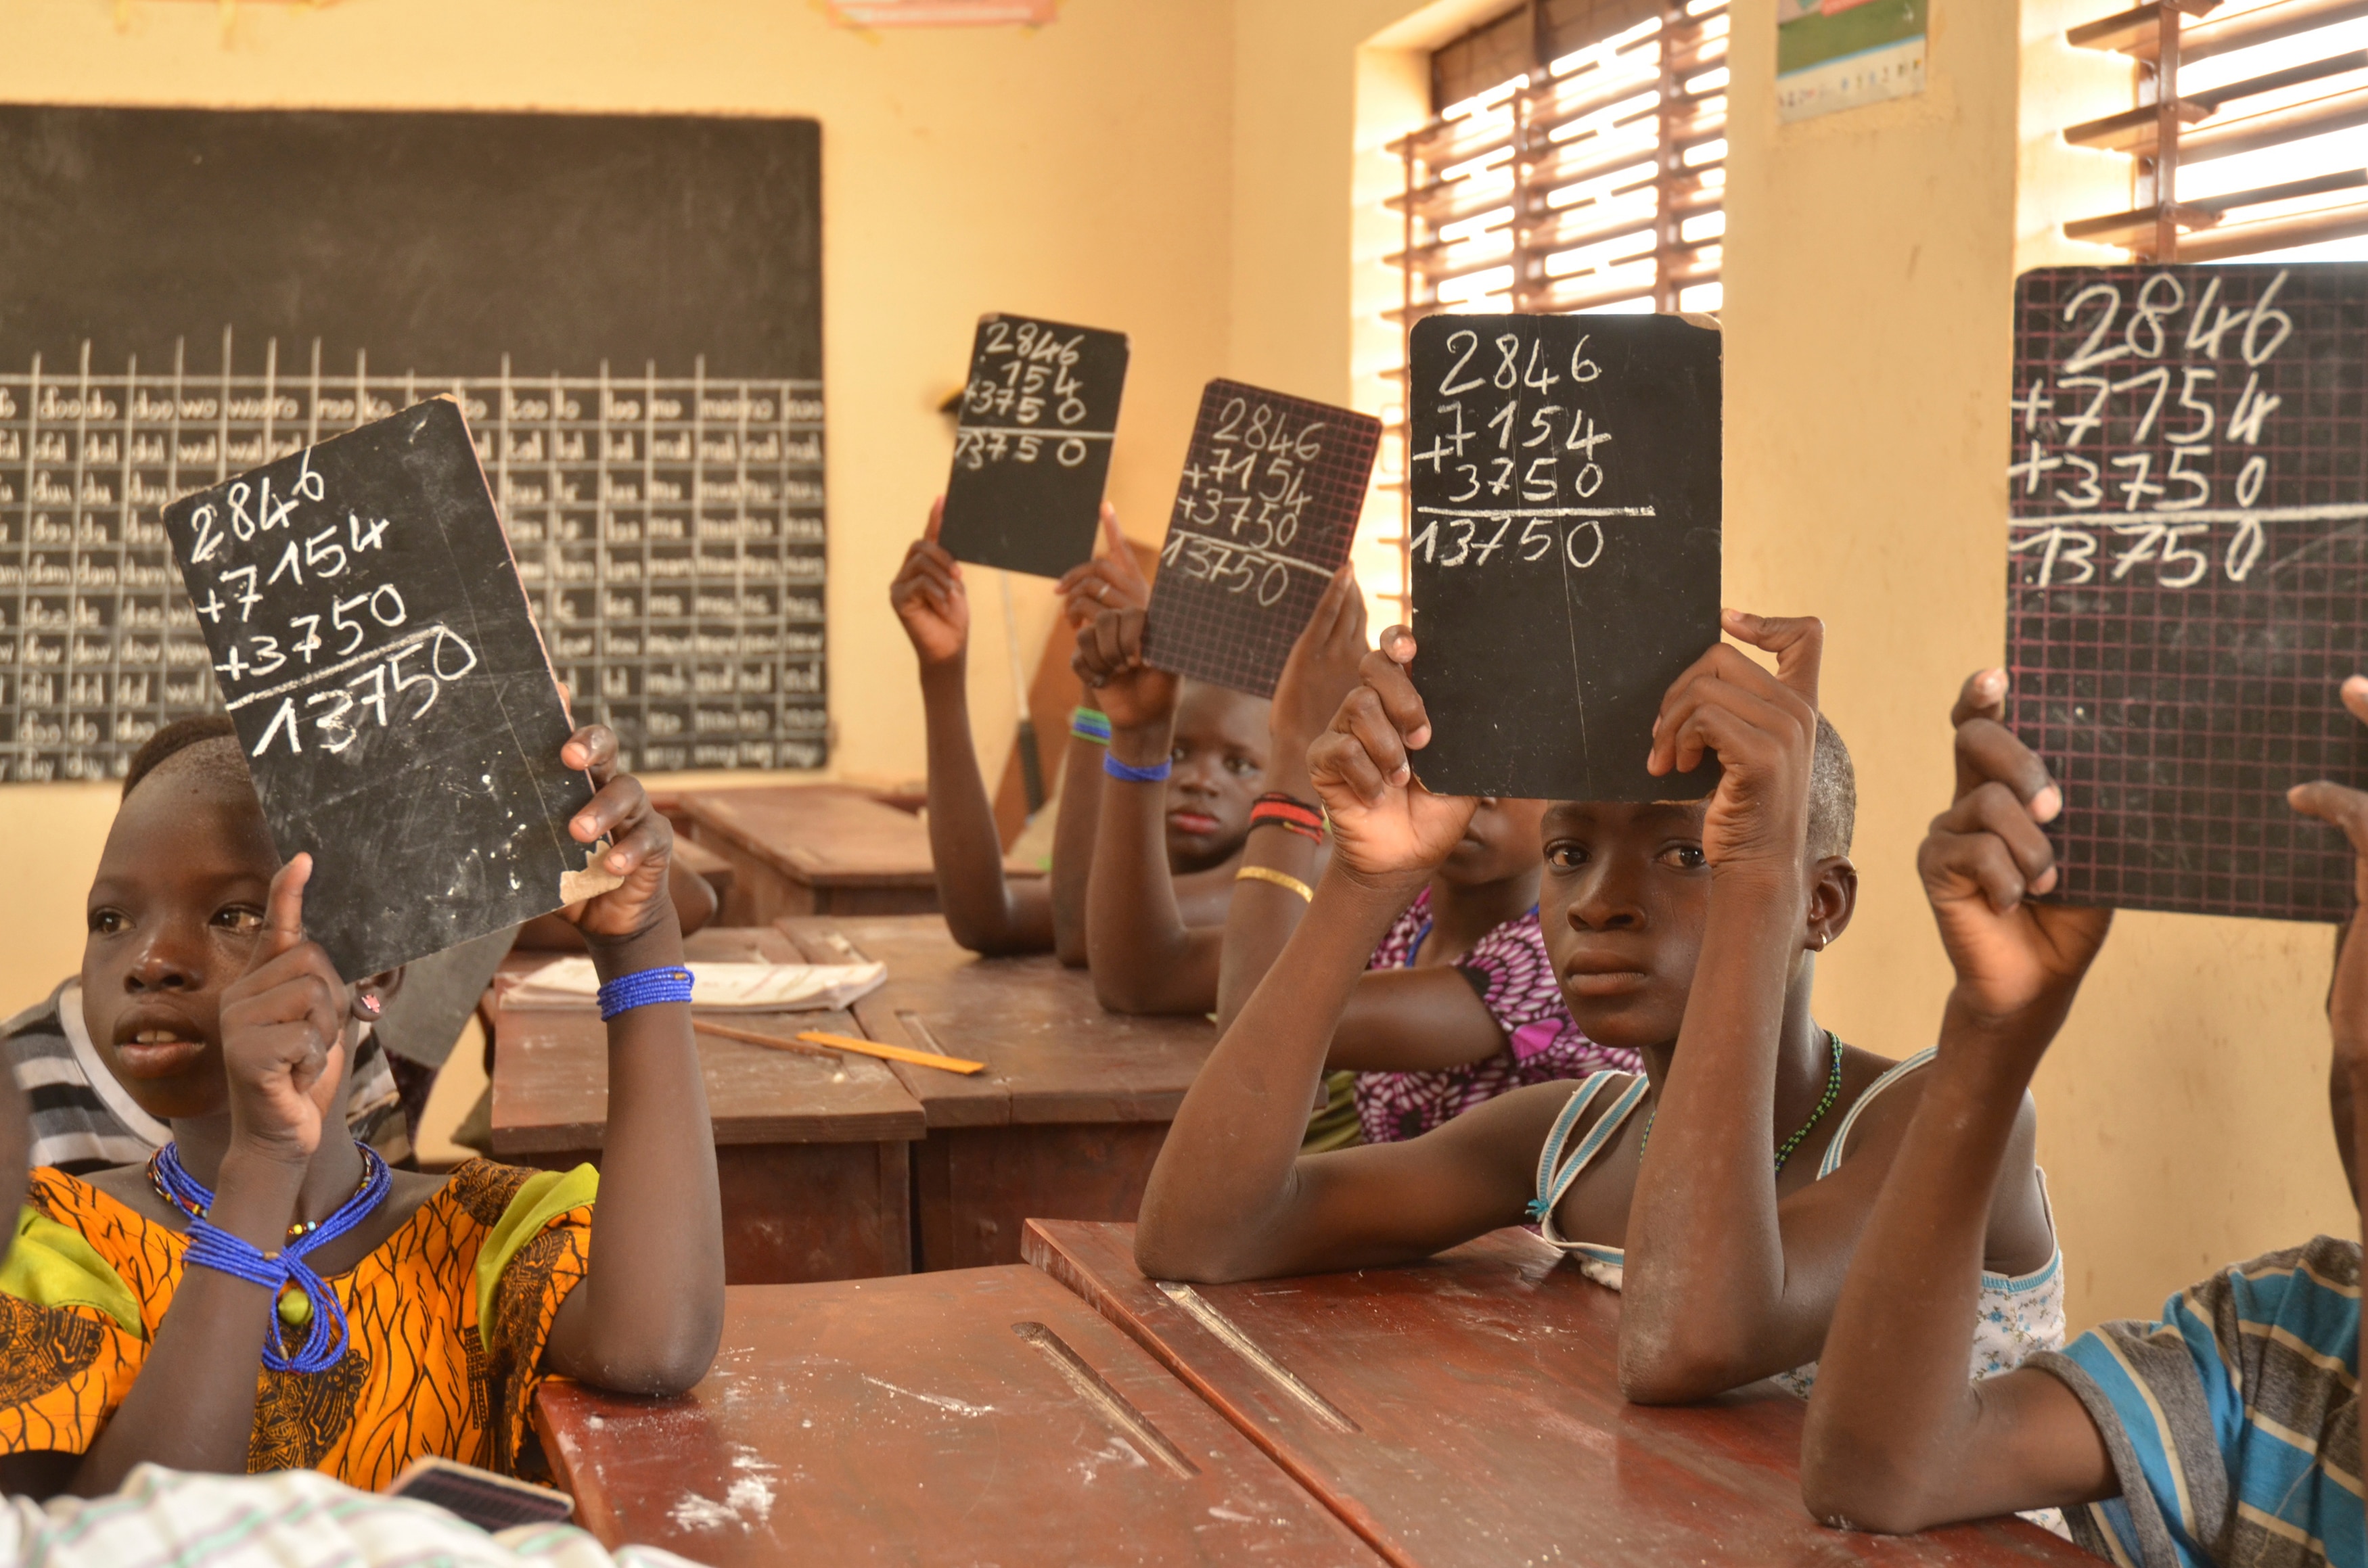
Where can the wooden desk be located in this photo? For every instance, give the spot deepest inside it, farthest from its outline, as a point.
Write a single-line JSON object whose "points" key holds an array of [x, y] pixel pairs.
{"points": [[812, 1155], [1468, 1411], [816, 849], [1071, 1111], [984, 1416]]}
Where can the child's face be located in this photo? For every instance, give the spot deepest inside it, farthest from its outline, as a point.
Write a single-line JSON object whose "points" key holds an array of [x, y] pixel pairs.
{"points": [[1219, 766], [1623, 900], [173, 915], [1500, 842]]}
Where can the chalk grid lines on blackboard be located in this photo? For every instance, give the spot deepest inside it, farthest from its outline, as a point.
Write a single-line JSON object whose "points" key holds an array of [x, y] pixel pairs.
{"points": [[2174, 654], [668, 530]]}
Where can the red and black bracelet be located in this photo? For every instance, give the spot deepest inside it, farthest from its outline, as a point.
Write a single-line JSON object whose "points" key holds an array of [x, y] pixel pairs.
{"points": [[1276, 809]]}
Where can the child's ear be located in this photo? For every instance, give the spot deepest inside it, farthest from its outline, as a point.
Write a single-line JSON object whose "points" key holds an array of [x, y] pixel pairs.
{"points": [[1833, 899], [372, 995]]}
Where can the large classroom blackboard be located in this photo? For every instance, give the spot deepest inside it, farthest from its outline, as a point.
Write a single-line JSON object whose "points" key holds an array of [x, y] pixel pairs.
{"points": [[2187, 574], [627, 307]]}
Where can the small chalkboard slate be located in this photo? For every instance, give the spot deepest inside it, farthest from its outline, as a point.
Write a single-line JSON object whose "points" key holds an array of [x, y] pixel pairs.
{"points": [[1272, 489], [1033, 446], [1566, 546], [2187, 569], [372, 641]]}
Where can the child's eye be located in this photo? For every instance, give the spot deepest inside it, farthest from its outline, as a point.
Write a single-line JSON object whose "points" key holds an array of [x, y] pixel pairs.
{"points": [[1243, 767], [108, 922], [241, 918], [1565, 857], [1684, 856], [1176, 756]]}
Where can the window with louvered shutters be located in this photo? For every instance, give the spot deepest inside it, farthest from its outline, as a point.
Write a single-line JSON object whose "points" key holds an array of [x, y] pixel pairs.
{"points": [[2250, 137], [1576, 161]]}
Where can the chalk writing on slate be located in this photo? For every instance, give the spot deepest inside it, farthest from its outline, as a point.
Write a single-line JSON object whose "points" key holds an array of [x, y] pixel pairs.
{"points": [[2187, 566], [372, 644], [1566, 546], [1032, 447], [1272, 489]]}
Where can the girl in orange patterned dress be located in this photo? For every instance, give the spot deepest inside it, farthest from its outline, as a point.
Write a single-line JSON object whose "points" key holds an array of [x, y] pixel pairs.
{"points": [[263, 1297]]}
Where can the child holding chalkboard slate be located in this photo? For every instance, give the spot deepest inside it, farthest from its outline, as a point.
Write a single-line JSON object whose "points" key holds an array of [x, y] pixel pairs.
{"points": [[1684, 932], [985, 913], [1460, 1002], [1187, 760], [393, 1314], [2227, 1433]]}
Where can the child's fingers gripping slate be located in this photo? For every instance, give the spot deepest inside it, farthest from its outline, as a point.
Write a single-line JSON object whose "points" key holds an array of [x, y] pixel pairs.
{"points": [[1726, 703], [1988, 751], [1797, 641], [1997, 812], [283, 911], [1982, 697], [935, 524], [593, 750], [1339, 758], [1368, 726], [1383, 672]]}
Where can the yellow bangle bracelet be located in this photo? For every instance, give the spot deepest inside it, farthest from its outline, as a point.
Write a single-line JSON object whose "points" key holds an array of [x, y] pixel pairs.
{"points": [[1280, 878]]}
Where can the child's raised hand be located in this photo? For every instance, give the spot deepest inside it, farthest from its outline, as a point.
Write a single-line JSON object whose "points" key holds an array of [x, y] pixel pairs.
{"points": [[1110, 661], [1384, 826], [1322, 669], [928, 596], [1111, 580], [283, 1026], [1983, 857], [2347, 1000], [1764, 728], [641, 845]]}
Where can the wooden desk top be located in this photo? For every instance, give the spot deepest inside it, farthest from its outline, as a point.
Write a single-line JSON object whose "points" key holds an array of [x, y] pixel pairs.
{"points": [[551, 1072], [823, 835], [1052, 1053], [1468, 1411], [977, 1416]]}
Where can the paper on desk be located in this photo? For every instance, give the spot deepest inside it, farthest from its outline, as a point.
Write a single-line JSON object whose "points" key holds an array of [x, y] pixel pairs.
{"points": [[719, 988]]}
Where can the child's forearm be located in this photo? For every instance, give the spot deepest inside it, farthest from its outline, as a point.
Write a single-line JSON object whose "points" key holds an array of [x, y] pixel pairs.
{"points": [[1221, 1201], [1262, 915], [1706, 1260], [192, 1407], [1145, 958], [965, 850], [649, 1312], [1895, 1436], [1072, 847]]}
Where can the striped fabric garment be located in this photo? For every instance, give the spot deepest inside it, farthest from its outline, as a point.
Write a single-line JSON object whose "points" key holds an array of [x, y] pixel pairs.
{"points": [[2234, 1422], [163, 1516], [83, 1121]]}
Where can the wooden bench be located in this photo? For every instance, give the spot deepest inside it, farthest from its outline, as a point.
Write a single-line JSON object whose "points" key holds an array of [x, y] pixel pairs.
{"points": [[815, 850], [1071, 1111], [812, 1155], [1467, 1411], [984, 1415]]}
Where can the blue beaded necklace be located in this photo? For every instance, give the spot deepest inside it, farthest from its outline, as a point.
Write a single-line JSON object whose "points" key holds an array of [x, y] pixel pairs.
{"points": [[303, 1297]]}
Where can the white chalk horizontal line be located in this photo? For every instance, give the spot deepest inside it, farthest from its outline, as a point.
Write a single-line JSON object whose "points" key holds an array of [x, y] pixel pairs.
{"points": [[1037, 430], [1536, 511], [2335, 513], [1255, 553], [325, 671]]}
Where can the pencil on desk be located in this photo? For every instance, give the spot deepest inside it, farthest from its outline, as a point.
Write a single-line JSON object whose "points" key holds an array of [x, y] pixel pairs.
{"points": [[815, 1042]]}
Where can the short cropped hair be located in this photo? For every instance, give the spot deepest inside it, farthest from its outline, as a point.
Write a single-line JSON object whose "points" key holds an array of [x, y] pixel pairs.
{"points": [[200, 737], [1833, 794]]}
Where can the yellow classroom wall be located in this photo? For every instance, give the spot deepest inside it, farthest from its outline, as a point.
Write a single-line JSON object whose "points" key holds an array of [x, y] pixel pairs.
{"points": [[1180, 168]]}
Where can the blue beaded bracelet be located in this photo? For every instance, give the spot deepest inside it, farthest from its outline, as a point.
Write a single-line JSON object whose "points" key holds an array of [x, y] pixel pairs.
{"points": [[1116, 769], [644, 988]]}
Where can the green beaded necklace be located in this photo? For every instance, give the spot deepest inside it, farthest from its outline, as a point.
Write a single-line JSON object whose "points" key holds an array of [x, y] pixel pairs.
{"points": [[1784, 1150]]}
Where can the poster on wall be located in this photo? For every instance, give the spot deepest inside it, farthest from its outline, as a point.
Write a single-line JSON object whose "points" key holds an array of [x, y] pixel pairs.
{"points": [[1838, 54]]}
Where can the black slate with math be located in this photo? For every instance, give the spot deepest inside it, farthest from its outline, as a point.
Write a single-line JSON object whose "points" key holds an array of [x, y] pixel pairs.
{"points": [[1272, 489], [1033, 445], [2187, 569], [372, 644], [1564, 545]]}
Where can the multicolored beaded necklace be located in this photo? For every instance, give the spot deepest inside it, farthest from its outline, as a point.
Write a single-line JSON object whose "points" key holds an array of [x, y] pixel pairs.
{"points": [[1784, 1150]]}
